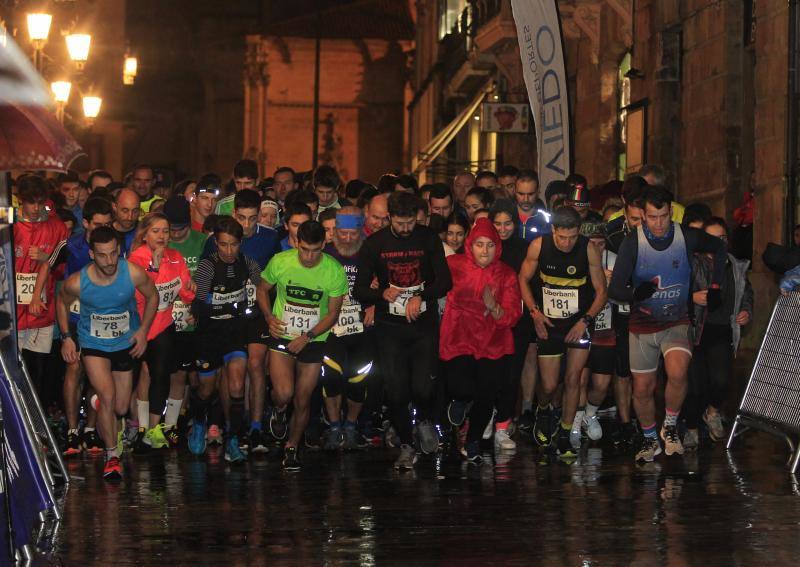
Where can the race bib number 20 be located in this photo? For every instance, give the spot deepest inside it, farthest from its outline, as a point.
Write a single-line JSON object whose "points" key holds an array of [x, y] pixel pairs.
{"points": [[25, 285]]}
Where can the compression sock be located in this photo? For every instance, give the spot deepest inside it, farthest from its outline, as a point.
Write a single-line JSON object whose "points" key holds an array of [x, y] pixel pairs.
{"points": [[649, 431], [671, 418]]}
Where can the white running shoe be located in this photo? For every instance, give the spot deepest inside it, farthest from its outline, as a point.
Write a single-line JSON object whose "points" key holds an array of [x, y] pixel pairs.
{"points": [[502, 442], [593, 428]]}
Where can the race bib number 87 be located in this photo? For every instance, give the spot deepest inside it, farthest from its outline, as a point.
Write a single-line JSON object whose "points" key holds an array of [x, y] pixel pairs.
{"points": [[111, 326]]}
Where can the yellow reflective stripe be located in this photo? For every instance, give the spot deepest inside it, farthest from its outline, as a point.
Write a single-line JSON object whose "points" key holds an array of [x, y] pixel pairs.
{"points": [[563, 282], [332, 364], [358, 378]]}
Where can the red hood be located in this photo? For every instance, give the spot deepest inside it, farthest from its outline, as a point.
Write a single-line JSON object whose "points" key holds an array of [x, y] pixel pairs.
{"points": [[483, 227]]}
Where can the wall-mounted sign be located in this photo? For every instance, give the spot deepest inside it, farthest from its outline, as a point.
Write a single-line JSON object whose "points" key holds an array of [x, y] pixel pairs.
{"points": [[505, 117]]}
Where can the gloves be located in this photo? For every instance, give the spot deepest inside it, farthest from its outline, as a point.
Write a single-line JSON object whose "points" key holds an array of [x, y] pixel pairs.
{"points": [[644, 291], [713, 299]]}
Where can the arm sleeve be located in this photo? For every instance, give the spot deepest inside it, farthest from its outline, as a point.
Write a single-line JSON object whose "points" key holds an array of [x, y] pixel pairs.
{"points": [[203, 277], [620, 289], [510, 301], [367, 264], [442, 282], [59, 255]]}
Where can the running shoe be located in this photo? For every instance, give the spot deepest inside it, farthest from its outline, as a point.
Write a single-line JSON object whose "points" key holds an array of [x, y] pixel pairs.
{"points": [[73, 446], [390, 436], [155, 437], [140, 445], [575, 434], [332, 439], [112, 469], [593, 428], [714, 423], [649, 450], [407, 458], [489, 430], [352, 439], [672, 442], [214, 435], [473, 449], [244, 442], [457, 412], [691, 439], [525, 421], [427, 438], [541, 429], [173, 436], [277, 424], [233, 453], [291, 462], [503, 442], [312, 439], [257, 442], [564, 445], [91, 442], [197, 438]]}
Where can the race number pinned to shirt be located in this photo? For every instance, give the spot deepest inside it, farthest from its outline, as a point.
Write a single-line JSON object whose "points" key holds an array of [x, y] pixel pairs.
{"points": [[167, 292], [251, 294], [180, 315], [75, 307], [398, 306], [111, 326], [559, 303], [349, 322], [625, 308], [603, 320], [25, 285], [299, 319]]}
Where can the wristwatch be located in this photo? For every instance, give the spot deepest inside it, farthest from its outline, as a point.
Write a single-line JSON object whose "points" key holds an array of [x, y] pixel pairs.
{"points": [[588, 319], [311, 336], [67, 335]]}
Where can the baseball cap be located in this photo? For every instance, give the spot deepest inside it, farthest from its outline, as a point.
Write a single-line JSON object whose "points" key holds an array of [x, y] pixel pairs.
{"points": [[579, 196], [177, 210]]}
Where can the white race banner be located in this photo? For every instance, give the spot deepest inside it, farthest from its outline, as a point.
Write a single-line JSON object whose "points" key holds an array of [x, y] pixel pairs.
{"points": [[539, 35]]}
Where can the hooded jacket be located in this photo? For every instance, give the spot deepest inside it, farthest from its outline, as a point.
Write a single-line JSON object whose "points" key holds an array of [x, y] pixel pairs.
{"points": [[467, 328]]}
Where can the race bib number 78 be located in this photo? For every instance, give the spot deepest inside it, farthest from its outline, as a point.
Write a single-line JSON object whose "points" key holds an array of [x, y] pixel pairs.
{"points": [[111, 326]]}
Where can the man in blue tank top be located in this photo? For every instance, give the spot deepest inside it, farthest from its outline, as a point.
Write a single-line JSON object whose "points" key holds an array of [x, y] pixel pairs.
{"points": [[653, 273], [109, 331]]}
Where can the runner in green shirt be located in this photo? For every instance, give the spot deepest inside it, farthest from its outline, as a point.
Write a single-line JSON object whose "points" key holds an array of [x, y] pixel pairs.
{"points": [[310, 288]]}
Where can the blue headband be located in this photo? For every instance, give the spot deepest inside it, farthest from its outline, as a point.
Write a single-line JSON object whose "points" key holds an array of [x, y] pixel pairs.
{"points": [[349, 221]]}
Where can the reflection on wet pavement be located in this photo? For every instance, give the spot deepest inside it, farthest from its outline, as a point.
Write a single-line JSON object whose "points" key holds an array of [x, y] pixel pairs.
{"points": [[710, 508]]}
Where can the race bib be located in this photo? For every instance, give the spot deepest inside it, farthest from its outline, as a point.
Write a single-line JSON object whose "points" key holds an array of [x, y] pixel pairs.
{"points": [[180, 315], [299, 319], [111, 326], [603, 320], [624, 308], [167, 292], [349, 322], [25, 285], [559, 303], [75, 307], [251, 293], [398, 306]]}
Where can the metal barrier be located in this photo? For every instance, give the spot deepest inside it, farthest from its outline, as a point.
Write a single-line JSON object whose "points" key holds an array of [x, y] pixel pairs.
{"points": [[771, 401]]}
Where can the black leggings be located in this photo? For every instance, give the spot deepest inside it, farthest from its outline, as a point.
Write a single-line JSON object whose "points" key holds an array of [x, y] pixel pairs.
{"points": [[406, 354], [161, 362], [479, 381], [709, 372], [507, 402]]}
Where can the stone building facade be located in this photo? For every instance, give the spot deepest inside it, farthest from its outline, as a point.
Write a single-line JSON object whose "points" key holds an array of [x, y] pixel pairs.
{"points": [[362, 90], [697, 86]]}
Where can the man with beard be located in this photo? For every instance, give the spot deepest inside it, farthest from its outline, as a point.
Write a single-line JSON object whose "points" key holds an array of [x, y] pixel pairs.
{"points": [[534, 222], [350, 351], [109, 331], [408, 261], [143, 179]]}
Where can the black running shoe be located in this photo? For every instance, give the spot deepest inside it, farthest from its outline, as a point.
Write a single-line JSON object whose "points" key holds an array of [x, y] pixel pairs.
{"points": [[542, 427], [290, 459], [73, 446], [258, 444], [473, 450], [277, 424], [139, 446], [564, 446], [91, 442], [525, 422], [173, 435]]}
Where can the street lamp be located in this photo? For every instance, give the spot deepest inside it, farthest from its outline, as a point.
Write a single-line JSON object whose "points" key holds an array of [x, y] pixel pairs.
{"points": [[91, 107], [129, 70], [38, 30], [78, 48], [61, 90]]}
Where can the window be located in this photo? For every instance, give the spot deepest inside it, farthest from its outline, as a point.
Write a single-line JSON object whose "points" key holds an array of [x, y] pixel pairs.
{"points": [[449, 14]]}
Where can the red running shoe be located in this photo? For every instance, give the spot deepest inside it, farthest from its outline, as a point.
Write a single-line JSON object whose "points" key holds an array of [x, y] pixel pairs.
{"points": [[113, 469]]}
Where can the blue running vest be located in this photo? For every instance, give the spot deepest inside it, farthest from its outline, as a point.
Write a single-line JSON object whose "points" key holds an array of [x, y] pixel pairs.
{"points": [[109, 317]]}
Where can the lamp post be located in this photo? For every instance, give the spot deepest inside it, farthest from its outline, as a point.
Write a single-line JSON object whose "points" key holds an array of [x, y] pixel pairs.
{"points": [[78, 48], [91, 107], [61, 90], [38, 31]]}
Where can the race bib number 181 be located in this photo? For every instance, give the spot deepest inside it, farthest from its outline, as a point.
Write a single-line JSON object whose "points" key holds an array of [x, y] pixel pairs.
{"points": [[559, 303]]}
